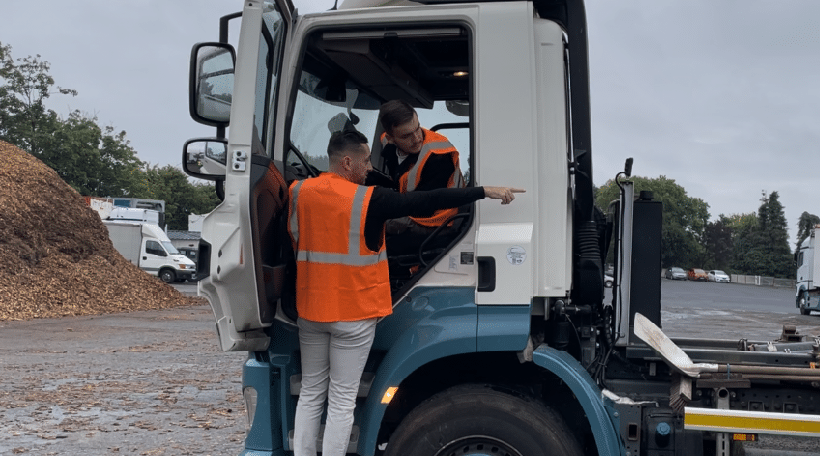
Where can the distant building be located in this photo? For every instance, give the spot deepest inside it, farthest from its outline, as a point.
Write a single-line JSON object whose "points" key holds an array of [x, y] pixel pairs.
{"points": [[184, 239], [187, 242]]}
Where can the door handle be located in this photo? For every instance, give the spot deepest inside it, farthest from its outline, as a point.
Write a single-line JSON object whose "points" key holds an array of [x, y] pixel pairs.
{"points": [[486, 273]]}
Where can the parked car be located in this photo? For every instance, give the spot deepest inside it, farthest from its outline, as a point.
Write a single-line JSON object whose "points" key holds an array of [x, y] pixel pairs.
{"points": [[674, 273], [717, 276], [697, 274], [608, 281]]}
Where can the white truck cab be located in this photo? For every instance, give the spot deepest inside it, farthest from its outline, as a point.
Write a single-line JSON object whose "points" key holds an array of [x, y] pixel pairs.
{"points": [[808, 269], [501, 341]]}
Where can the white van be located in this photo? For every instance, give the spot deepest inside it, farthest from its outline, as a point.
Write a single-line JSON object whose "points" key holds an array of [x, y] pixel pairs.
{"points": [[147, 246]]}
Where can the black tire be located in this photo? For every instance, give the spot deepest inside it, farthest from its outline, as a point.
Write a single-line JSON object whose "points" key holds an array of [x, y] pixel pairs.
{"points": [[479, 420], [802, 302], [167, 276]]}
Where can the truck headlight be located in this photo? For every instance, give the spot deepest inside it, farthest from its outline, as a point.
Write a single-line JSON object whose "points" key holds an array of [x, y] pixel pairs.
{"points": [[183, 266], [250, 402]]}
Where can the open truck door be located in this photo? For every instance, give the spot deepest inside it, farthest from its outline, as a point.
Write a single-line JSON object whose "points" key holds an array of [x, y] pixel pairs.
{"points": [[242, 250]]}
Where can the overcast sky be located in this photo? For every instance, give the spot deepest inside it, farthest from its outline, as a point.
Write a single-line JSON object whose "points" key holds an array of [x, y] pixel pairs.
{"points": [[721, 95]]}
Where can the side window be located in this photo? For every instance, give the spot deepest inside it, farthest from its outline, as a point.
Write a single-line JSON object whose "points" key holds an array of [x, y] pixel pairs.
{"points": [[347, 75], [267, 76], [800, 259], [455, 127], [153, 248]]}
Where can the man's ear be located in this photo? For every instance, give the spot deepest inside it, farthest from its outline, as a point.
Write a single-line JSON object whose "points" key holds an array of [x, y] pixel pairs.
{"points": [[347, 162], [389, 138]]}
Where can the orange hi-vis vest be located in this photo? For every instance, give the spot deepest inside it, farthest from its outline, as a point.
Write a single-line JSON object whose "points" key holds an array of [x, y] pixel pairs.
{"points": [[338, 278], [434, 143]]}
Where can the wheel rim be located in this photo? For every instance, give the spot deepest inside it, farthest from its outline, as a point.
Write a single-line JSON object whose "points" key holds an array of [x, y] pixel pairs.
{"points": [[478, 445]]}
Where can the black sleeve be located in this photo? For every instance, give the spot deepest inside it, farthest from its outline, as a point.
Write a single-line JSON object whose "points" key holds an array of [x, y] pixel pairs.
{"points": [[379, 179], [436, 173], [386, 204]]}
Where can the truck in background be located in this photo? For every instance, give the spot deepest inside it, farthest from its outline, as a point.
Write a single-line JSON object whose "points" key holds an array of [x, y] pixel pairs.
{"points": [[807, 295], [136, 215], [102, 206], [147, 246], [501, 342]]}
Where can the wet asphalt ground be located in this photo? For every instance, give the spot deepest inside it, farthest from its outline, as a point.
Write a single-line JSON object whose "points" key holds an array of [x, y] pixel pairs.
{"points": [[155, 383]]}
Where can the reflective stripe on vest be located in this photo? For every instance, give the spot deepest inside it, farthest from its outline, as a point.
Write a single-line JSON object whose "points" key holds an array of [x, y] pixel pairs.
{"points": [[352, 257], [426, 149], [455, 181]]}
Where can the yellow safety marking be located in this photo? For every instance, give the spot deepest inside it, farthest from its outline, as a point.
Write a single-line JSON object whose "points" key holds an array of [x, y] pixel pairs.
{"points": [[388, 395], [741, 421], [744, 437]]}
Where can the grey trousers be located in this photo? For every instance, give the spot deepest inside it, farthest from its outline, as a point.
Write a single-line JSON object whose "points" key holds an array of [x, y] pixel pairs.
{"points": [[333, 357]]}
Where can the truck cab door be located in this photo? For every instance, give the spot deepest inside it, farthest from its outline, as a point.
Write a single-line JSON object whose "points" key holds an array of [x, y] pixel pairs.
{"points": [[245, 258], [152, 256]]}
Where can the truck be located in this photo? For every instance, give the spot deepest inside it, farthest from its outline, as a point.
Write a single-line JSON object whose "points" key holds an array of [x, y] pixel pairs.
{"points": [[502, 340], [808, 264], [148, 247], [136, 215]]}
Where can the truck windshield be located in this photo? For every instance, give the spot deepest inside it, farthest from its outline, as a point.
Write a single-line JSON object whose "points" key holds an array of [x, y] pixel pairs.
{"points": [[315, 118], [170, 248]]}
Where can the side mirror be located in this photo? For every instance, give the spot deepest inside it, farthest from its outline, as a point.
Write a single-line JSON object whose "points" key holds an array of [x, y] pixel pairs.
{"points": [[205, 158], [210, 85]]}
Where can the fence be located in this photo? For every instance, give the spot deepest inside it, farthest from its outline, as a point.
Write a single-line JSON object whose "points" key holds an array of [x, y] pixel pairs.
{"points": [[763, 281], [756, 280]]}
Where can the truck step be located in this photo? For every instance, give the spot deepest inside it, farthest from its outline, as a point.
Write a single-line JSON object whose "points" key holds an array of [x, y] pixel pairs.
{"points": [[352, 445], [364, 385]]}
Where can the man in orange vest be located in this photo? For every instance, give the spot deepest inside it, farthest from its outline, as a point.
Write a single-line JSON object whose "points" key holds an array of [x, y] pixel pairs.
{"points": [[342, 284], [417, 159]]}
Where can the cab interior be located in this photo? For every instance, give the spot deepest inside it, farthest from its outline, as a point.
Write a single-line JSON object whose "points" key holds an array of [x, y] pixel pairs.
{"points": [[345, 77]]}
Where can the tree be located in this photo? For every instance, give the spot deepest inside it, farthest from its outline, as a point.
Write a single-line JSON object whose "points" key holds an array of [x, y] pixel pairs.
{"points": [[763, 246], [95, 161], [24, 119], [684, 218], [718, 243], [743, 227], [804, 226], [775, 238], [180, 195]]}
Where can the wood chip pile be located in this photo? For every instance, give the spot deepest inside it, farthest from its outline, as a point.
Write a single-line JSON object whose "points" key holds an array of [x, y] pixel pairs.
{"points": [[55, 255]]}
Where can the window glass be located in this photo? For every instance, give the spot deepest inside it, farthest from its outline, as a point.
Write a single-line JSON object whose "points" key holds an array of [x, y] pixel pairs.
{"points": [[347, 75], [270, 52], [315, 118], [458, 135], [153, 248], [170, 248]]}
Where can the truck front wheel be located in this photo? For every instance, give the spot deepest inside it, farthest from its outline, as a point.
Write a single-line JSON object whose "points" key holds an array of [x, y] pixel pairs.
{"points": [[167, 276], [481, 421], [803, 302]]}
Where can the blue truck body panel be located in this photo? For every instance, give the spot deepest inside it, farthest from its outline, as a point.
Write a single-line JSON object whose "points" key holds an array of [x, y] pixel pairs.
{"points": [[603, 418]]}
